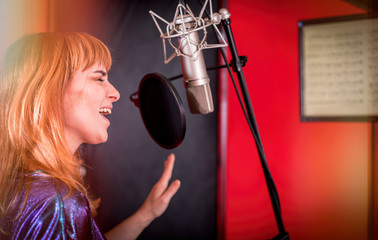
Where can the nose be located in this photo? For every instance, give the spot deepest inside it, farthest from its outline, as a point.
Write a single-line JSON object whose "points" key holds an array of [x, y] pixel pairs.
{"points": [[113, 93]]}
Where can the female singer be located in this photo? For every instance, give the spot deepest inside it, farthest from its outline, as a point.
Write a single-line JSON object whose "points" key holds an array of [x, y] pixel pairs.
{"points": [[54, 96]]}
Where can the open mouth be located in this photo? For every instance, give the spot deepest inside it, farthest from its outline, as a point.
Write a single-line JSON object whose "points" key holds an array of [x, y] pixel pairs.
{"points": [[105, 111]]}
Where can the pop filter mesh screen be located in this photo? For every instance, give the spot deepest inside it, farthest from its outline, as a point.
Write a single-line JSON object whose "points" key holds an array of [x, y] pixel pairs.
{"points": [[162, 111]]}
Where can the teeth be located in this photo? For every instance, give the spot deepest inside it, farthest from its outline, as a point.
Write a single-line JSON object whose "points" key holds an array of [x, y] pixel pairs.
{"points": [[105, 111]]}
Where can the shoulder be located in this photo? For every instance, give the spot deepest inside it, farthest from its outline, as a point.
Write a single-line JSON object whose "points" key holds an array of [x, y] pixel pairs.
{"points": [[49, 212], [48, 190], [52, 197]]}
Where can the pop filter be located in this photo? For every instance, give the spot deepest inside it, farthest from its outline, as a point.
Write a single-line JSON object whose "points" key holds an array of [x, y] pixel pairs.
{"points": [[161, 109]]}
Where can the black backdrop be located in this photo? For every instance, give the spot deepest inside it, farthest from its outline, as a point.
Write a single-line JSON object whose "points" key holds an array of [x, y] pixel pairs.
{"points": [[123, 170]]}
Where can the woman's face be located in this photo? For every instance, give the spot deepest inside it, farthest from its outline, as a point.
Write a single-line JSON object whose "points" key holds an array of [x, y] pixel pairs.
{"points": [[88, 97]]}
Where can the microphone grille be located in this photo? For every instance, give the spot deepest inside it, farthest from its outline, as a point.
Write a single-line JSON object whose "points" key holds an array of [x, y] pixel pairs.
{"points": [[200, 99]]}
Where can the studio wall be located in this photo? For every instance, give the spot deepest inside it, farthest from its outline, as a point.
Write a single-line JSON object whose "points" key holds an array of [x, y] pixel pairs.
{"points": [[321, 169]]}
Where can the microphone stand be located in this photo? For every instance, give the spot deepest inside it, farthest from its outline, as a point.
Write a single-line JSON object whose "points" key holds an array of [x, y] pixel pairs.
{"points": [[236, 64]]}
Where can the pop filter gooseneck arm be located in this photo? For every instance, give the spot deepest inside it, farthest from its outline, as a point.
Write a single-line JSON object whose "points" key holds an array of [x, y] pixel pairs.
{"points": [[237, 68]]}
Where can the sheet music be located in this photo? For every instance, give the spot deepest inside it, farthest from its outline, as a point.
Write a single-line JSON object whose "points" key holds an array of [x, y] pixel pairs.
{"points": [[340, 68]]}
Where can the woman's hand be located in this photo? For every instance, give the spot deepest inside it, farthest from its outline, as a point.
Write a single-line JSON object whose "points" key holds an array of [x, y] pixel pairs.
{"points": [[153, 207], [161, 194]]}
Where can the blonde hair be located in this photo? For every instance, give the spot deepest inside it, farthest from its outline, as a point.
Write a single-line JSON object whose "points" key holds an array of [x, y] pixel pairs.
{"points": [[36, 70]]}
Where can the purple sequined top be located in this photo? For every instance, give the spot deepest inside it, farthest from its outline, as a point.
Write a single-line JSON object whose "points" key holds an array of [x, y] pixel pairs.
{"points": [[48, 214]]}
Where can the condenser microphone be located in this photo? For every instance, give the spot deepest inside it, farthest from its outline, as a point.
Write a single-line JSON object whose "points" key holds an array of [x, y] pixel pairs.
{"points": [[196, 80], [185, 27]]}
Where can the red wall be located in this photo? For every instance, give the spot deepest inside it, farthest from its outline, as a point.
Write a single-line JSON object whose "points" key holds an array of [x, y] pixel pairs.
{"points": [[321, 169]]}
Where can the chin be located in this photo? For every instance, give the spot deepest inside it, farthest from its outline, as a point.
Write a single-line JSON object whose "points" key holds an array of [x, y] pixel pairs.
{"points": [[100, 139], [104, 140]]}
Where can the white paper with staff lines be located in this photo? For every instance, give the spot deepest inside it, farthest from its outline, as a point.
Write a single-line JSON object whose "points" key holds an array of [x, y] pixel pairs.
{"points": [[340, 69]]}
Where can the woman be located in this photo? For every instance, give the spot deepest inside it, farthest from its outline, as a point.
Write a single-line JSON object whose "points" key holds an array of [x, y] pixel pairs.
{"points": [[54, 96]]}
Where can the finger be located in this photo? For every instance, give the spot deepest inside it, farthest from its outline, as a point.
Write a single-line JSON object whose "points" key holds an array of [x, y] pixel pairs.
{"points": [[172, 189], [168, 168], [162, 184]]}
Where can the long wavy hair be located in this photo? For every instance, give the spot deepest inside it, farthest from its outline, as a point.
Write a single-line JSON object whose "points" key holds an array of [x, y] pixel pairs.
{"points": [[35, 73]]}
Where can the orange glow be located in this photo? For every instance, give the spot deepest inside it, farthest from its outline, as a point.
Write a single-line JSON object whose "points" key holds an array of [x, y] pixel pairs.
{"points": [[18, 18]]}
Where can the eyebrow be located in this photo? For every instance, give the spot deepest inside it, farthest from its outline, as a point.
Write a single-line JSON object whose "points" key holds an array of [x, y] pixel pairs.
{"points": [[101, 72]]}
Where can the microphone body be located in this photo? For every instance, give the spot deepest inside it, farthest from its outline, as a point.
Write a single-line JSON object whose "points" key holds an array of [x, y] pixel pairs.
{"points": [[196, 80]]}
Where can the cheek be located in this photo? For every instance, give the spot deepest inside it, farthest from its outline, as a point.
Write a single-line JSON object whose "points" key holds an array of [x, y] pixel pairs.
{"points": [[81, 96], [73, 105]]}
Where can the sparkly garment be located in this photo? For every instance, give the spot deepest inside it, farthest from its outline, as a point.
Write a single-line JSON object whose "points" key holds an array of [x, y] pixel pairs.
{"points": [[48, 214]]}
